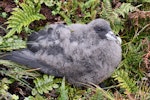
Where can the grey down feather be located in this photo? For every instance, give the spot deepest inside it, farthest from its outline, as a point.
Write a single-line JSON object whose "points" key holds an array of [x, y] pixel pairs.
{"points": [[83, 53]]}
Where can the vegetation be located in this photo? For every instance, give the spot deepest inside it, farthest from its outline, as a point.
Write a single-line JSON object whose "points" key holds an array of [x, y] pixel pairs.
{"points": [[128, 18]]}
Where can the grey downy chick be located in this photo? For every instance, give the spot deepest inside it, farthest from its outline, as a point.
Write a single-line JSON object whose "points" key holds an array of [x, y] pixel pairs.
{"points": [[83, 53]]}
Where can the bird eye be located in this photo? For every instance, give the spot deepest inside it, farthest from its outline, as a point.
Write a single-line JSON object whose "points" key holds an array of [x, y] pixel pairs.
{"points": [[98, 29]]}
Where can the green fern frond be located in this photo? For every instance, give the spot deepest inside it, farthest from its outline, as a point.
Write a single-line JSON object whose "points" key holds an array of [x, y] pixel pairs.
{"points": [[125, 81], [108, 13], [113, 15], [98, 95], [48, 3], [8, 44], [4, 85], [44, 85], [63, 91], [4, 94], [124, 9], [22, 17], [37, 97], [107, 8]]}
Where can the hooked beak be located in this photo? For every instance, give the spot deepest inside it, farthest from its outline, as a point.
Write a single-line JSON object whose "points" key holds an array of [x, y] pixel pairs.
{"points": [[111, 36]]}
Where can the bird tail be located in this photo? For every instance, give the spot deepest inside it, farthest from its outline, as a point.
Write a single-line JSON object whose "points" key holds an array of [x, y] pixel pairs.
{"points": [[27, 58], [23, 57]]}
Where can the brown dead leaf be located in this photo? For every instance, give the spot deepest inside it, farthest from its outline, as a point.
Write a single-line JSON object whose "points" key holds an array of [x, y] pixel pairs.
{"points": [[135, 16], [146, 57]]}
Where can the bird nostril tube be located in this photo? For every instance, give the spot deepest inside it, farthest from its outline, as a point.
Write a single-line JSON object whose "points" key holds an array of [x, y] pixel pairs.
{"points": [[111, 36]]}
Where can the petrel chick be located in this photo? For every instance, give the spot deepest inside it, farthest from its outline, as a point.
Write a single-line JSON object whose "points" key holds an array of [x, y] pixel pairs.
{"points": [[83, 53]]}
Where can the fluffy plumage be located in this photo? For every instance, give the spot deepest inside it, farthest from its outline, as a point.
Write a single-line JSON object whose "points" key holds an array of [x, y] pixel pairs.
{"points": [[83, 53]]}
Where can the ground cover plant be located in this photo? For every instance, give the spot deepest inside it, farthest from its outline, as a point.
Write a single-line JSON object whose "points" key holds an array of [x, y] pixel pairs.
{"points": [[130, 19]]}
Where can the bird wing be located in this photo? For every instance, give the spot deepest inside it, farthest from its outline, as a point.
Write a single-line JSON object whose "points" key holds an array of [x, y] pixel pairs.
{"points": [[63, 47]]}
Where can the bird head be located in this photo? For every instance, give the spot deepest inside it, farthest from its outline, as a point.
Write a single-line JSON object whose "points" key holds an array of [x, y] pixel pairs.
{"points": [[104, 31]]}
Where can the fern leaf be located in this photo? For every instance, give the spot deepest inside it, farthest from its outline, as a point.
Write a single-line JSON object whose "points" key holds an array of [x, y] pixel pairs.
{"points": [[26, 9], [63, 91], [124, 9], [44, 84], [106, 9], [37, 97], [125, 81], [4, 94], [113, 15], [22, 17], [12, 43]]}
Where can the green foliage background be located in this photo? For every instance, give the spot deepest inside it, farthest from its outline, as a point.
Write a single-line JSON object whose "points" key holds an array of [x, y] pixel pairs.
{"points": [[129, 81]]}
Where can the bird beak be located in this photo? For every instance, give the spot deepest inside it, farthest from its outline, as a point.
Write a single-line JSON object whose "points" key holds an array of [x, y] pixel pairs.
{"points": [[111, 36]]}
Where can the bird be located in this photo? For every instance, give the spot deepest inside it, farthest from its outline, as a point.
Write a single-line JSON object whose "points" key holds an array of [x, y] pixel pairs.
{"points": [[82, 53]]}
